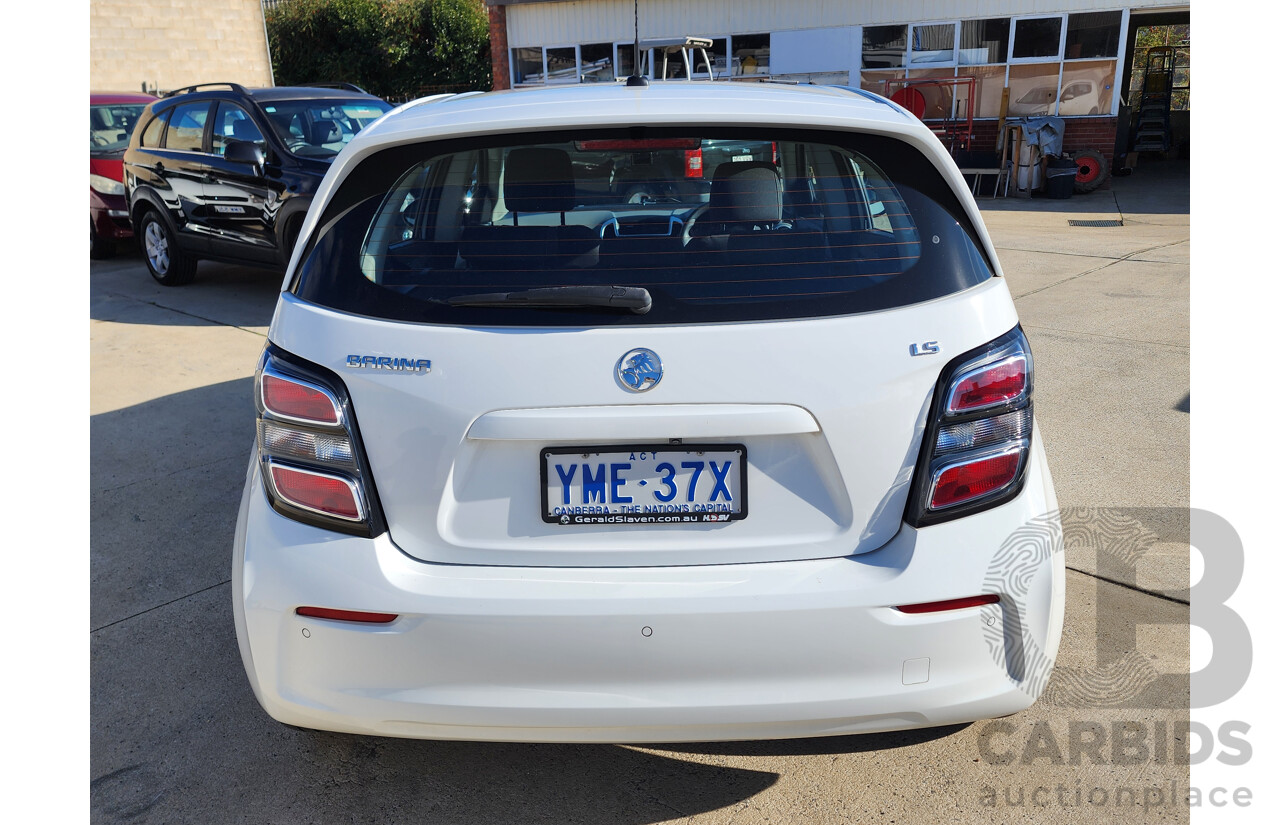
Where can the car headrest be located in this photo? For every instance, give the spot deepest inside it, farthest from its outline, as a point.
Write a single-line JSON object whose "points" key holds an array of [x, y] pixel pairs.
{"points": [[745, 193], [539, 179], [325, 131]]}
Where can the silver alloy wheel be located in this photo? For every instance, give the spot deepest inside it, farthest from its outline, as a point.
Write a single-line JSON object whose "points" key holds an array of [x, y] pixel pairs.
{"points": [[157, 244]]}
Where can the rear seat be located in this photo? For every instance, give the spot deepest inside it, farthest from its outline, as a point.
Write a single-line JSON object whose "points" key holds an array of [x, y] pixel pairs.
{"points": [[541, 230]]}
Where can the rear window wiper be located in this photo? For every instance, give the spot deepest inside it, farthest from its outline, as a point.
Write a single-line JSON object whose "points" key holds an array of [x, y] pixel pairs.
{"points": [[634, 298]]}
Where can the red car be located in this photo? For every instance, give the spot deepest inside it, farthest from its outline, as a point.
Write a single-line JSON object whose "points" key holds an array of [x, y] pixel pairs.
{"points": [[112, 116]]}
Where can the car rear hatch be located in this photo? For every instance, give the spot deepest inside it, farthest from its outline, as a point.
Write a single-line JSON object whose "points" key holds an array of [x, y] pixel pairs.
{"points": [[769, 405]]}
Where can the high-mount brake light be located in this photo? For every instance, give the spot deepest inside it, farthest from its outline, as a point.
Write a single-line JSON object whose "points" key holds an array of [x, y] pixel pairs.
{"points": [[975, 450], [312, 465], [636, 145]]}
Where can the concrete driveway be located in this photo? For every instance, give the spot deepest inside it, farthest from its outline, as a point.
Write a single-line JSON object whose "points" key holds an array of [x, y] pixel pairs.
{"points": [[178, 737]]}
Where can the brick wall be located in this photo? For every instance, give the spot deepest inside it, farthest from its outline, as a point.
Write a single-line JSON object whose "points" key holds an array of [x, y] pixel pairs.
{"points": [[498, 47], [173, 43], [1080, 133]]}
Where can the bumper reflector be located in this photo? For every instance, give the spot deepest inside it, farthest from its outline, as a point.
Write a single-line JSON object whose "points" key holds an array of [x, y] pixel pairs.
{"points": [[347, 615], [950, 604]]}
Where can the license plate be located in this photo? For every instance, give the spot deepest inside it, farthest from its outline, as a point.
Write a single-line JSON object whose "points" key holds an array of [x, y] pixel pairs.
{"points": [[737, 158], [645, 484]]}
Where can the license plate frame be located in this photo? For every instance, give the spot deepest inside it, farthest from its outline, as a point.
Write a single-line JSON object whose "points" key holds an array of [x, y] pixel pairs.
{"points": [[645, 519]]}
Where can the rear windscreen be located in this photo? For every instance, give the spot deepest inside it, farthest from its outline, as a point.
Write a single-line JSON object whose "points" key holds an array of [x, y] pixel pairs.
{"points": [[733, 225]]}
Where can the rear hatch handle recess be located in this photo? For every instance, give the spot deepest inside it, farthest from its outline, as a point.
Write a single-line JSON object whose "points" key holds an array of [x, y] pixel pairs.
{"points": [[634, 298]]}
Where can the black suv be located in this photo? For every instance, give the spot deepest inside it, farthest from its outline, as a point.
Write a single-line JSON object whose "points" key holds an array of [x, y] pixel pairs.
{"points": [[223, 172]]}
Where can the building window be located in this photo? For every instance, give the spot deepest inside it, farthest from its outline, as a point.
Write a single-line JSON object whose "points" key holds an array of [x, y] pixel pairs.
{"points": [[1096, 34], [1088, 88], [526, 65], [1037, 37], [1048, 63], [984, 41], [874, 81], [933, 44], [597, 63], [883, 47], [718, 54], [751, 54], [562, 65], [988, 87], [626, 59], [1033, 89]]}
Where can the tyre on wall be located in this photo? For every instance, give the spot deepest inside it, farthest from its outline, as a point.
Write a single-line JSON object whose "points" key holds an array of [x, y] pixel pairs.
{"points": [[1091, 170], [168, 264]]}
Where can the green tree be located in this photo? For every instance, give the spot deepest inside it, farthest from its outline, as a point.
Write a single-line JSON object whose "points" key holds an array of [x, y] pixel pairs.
{"points": [[396, 49]]}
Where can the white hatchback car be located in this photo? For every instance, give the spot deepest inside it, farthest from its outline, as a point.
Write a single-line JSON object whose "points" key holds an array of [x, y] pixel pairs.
{"points": [[747, 455]]}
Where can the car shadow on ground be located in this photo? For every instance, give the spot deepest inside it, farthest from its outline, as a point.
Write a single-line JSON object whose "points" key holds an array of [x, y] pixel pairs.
{"points": [[820, 745], [176, 734], [122, 290]]}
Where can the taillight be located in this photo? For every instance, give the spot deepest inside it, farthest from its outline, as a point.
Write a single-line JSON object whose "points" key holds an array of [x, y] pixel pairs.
{"points": [[976, 446], [312, 465], [693, 163], [328, 495], [296, 400]]}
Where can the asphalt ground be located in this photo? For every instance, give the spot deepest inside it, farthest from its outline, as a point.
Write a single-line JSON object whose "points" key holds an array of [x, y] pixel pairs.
{"points": [[176, 735]]}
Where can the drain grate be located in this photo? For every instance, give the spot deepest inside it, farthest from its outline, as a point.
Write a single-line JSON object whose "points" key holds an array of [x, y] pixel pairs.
{"points": [[1095, 223]]}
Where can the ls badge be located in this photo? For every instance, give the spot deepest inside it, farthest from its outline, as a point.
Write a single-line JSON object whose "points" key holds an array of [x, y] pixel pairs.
{"points": [[927, 348]]}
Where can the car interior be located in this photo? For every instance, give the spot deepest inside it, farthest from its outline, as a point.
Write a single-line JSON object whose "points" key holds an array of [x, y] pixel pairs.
{"points": [[624, 211]]}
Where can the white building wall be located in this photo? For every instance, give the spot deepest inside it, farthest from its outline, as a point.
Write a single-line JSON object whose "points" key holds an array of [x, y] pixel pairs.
{"points": [[604, 21]]}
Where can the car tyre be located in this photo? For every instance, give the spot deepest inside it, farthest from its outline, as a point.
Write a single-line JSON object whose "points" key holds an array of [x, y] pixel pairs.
{"points": [[168, 264], [99, 247], [1091, 170]]}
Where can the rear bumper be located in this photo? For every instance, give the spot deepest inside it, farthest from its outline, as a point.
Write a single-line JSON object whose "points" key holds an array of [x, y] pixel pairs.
{"points": [[659, 654]]}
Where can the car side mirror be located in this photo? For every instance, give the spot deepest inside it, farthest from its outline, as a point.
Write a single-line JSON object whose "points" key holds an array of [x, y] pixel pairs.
{"points": [[242, 151]]}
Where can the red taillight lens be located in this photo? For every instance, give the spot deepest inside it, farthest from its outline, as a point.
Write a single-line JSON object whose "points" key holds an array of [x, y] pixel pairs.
{"points": [[950, 604], [992, 385], [693, 163], [300, 402], [318, 492], [347, 615], [960, 482]]}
